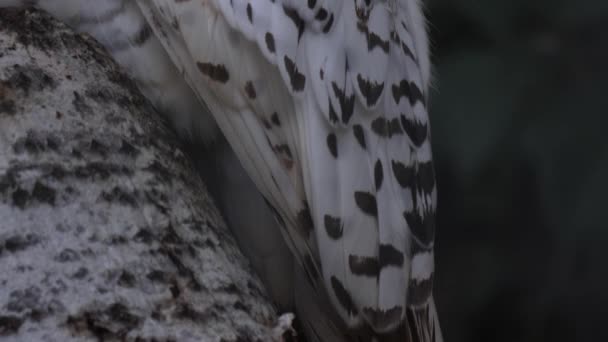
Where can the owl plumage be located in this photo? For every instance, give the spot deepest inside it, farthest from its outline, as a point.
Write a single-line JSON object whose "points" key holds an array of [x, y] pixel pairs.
{"points": [[323, 102]]}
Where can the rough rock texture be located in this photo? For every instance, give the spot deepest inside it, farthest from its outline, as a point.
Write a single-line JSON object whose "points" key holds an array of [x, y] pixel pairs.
{"points": [[106, 231]]}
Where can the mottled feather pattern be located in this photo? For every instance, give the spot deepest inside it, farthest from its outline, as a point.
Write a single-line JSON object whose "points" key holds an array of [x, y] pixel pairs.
{"points": [[324, 103], [351, 104]]}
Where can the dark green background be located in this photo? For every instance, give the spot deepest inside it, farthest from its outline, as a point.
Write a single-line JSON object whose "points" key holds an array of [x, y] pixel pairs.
{"points": [[519, 119]]}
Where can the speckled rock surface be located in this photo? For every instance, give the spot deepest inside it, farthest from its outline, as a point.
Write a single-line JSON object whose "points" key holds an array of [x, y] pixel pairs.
{"points": [[106, 231]]}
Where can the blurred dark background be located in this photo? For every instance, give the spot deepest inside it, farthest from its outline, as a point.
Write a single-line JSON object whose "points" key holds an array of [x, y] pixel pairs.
{"points": [[519, 120]]}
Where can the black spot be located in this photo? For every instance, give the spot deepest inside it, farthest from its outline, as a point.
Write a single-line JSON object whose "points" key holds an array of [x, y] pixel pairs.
{"points": [[295, 17], [249, 13], [329, 23], [321, 73], [250, 90], [295, 77], [359, 135], [378, 174], [416, 131], [363, 266], [347, 104], [275, 119], [380, 126], [389, 255], [321, 14], [270, 42], [332, 144], [304, 220], [409, 90], [381, 320], [216, 72], [312, 3], [343, 296], [333, 226], [370, 90], [366, 202], [403, 174]]}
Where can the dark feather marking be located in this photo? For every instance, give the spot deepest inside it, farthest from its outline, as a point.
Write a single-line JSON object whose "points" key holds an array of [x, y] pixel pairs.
{"points": [[363, 266], [417, 132], [304, 220], [321, 14], [284, 148], [366, 202], [379, 126], [426, 177], [297, 79], [403, 174], [329, 23], [378, 174], [389, 255], [359, 135], [275, 119], [408, 52], [249, 13], [370, 90], [250, 90], [216, 72], [347, 104], [270, 42], [295, 17], [333, 226], [409, 90], [332, 144], [333, 117], [343, 296]]}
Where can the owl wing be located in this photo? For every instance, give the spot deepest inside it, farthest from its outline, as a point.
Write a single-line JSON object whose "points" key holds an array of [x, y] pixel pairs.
{"points": [[324, 104]]}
